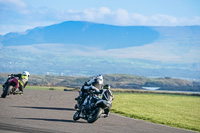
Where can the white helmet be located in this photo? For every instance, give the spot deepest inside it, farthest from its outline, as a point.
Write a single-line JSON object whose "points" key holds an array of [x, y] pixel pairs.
{"points": [[100, 79], [26, 73]]}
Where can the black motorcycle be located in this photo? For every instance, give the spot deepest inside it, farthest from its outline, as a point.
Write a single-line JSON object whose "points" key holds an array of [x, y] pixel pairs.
{"points": [[93, 107]]}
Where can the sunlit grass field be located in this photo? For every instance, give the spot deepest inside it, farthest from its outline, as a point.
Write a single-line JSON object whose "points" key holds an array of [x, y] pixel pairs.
{"points": [[172, 110]]}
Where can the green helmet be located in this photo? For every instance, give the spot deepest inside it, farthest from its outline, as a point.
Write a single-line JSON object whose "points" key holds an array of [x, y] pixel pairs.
{"points": [[107, 86]]}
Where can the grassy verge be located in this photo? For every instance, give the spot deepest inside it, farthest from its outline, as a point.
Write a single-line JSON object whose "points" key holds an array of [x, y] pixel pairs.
{"points": [[154, 92], [172, 110]]}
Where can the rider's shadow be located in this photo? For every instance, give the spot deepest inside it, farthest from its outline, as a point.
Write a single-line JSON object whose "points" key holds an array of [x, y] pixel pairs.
{"points": [[52, 120], [49, 108]]}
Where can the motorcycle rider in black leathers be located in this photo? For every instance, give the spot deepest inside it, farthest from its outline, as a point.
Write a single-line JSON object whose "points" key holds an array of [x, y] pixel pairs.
{"points": [[95, 83], [108, 96], [23, 80]]}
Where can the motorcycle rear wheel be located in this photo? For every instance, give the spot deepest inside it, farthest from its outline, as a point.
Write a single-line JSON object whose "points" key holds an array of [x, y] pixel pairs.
{"points": [[6, 91], [95, 115]]}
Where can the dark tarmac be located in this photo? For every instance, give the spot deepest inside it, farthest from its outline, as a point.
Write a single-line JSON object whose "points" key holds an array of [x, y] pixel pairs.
{"points": [[39, 111]]}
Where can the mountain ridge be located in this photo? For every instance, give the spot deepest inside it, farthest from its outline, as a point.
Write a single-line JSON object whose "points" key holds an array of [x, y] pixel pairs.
{"points": [[102, 35], [85, 33], [169, 52]]}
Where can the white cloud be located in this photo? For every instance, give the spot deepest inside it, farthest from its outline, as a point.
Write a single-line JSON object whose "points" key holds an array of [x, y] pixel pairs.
{"points": [[138, 19], [18, 6], [104, 10], [18, 3], [122, 17], [92, 14], [15, 14], [190, 21]]}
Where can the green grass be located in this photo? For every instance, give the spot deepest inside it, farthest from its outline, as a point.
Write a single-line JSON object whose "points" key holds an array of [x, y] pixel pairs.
{"points": [[172, 110]]}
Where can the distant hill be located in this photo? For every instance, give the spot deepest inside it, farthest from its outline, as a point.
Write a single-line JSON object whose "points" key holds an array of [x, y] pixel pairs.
{"points": [[85, 33], [102, 35], [115, 80], [78, 48]]}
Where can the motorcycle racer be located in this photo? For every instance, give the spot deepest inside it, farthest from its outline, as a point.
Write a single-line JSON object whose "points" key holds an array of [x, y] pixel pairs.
{"points": [[95, 83], [23, 80], [108, 96], [96, 105]]}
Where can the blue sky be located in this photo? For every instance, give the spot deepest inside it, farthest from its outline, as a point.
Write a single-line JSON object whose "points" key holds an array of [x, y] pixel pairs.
{"points": [[20, 15], [178, 8]]}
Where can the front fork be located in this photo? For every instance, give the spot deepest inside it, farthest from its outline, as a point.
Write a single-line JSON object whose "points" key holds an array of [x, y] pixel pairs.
{"points": [[12, 91]]}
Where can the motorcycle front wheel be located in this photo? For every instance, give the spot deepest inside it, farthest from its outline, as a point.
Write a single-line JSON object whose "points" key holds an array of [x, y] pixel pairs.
{"points": [[94, 115], [6, 91], [76, 116]]}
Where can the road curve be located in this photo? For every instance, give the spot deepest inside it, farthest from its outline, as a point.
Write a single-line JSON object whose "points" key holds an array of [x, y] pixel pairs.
{"points": [[40, 111]]}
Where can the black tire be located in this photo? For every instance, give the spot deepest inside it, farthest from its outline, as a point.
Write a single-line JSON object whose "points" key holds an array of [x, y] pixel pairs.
{"points": [[95, 115], [76, 106], [76, 116], [6, 91]]}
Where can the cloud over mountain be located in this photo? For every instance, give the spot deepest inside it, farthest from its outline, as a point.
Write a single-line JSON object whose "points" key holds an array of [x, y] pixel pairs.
{"points": [[16, 15]]}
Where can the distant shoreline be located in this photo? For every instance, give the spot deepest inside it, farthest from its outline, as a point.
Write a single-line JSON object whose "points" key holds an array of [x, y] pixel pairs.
{"points": [[189, 93]]}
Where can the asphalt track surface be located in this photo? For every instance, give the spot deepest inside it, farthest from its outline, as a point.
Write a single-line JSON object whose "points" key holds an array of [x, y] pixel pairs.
{"points": [[39, 111]]}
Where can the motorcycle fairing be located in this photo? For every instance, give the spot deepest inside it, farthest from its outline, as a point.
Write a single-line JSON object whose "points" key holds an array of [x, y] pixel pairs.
{"points": [[102, 103], [14, 82]]}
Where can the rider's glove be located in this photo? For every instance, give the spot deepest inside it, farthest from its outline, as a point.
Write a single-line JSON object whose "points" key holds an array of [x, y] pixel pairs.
{"points": [[85, 83], [101, 91]]}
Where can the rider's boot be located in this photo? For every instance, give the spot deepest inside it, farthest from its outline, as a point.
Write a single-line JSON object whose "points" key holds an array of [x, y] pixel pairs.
{"points": [[20, 91], [106, 113]]}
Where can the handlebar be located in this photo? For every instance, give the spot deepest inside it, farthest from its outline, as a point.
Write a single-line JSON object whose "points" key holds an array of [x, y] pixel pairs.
{"points": [[11, 75]]}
